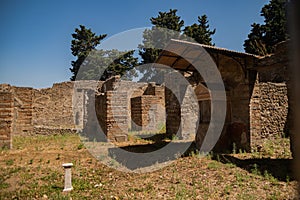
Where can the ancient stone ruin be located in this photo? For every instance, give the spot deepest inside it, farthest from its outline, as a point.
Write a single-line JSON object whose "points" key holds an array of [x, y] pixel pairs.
{"points": [[257, 93]]}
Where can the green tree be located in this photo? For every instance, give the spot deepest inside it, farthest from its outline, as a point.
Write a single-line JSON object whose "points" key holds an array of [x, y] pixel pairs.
{"points": [[155, 39], [83, 43], [200, 32], [98, 64], [102, 64], [255, 43], [166, 26], [263, 38]]}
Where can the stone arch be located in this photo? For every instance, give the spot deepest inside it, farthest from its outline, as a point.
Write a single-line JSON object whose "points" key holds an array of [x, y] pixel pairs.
{"points": [[232, 72]]}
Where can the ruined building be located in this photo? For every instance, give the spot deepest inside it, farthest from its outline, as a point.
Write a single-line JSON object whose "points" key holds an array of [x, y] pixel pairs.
{"points": [[256, 89]]}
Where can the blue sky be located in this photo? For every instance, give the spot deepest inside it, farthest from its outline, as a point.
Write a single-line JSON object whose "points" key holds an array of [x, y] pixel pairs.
{"points": [[36, 34]]}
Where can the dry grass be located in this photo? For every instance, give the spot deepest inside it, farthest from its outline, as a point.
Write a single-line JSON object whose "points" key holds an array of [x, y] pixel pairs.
{"points": [[33, 170]]}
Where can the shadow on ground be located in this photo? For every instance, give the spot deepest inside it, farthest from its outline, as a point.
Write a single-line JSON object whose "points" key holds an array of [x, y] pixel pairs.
{"points": [[161, 151], [139, 156], [281, 169]]}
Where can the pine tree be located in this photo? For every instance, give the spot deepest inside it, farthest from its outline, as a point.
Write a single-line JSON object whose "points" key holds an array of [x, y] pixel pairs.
{"points": [[98, 64], [200, 32], [166, 26], [255, 44], [156, 39], [263, 38], [83, 43], [103, 64]]}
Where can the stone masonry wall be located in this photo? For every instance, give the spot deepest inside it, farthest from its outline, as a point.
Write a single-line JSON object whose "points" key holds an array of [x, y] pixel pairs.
{"points": [[6, 118], [274, 108], [272, 100], [42, 111], [269, 110], [52, 107]]}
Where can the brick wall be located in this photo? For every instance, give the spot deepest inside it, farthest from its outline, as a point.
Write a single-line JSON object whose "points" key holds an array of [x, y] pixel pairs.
{"points": [[23, 110], [112, 114], [148, 110], [6, 119], [147, 113]]}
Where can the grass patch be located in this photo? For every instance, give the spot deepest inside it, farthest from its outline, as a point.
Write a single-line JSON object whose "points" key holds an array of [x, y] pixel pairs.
{"points": [[33, 170]]}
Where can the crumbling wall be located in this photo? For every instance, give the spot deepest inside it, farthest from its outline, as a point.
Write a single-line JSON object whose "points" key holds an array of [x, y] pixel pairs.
{"points": [[43, 111], [133, 89], [52, 108], [274, 109]]}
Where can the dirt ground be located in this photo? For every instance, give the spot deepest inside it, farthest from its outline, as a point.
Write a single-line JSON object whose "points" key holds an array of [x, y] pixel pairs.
{"points": [[33, 170]]}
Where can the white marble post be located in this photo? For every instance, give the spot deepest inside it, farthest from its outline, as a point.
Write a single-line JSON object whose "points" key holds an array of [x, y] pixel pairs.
{"points": [[68, 177]]}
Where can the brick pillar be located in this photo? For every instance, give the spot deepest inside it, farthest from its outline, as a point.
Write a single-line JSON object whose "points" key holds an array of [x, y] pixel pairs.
{"points": [[23, 110], [6, 119], [112, 113], [255, 126], [173, 113]]}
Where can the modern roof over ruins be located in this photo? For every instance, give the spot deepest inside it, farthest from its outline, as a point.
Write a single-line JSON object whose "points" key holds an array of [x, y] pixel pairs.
{"points": [[178, 52]]}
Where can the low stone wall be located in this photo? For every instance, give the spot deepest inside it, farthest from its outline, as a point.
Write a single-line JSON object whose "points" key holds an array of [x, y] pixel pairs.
{"points": [[52, 131]]}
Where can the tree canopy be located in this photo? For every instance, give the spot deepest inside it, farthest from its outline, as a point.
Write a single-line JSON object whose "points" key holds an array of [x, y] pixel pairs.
{"points": [[200, 32], [155, 39], [103, 64], [263, 38], [83, 43], [166, 26], [97, 64]]}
